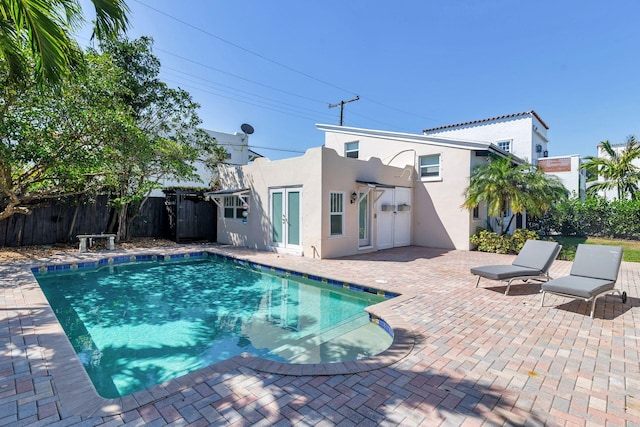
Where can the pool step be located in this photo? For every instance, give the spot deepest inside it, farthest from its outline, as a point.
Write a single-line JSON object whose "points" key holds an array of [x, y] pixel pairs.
{"points": [[307, 348]]}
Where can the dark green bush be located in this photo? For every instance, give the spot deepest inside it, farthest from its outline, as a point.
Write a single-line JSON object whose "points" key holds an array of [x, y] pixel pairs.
{"points": [[595, 217], [489, 241]]}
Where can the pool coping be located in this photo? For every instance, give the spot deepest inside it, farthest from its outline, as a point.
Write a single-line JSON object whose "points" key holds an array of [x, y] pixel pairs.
{"points": [[78, 396]]}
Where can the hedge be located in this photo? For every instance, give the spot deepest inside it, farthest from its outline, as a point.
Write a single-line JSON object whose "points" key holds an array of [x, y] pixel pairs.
{"points": [[595, 217]]}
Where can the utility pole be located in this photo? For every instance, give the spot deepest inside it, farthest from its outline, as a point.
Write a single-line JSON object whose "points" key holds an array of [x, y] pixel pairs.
{"points": [[341, 105]]}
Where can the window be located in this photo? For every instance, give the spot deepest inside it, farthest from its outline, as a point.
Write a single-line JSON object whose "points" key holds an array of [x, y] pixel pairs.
{"points": [[505, 146], [476, 212], [233, 207], [430, 166], [351, 149], [336, 210]]}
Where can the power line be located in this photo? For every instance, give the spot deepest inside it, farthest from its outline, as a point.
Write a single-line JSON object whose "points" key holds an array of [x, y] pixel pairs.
{"points": [[317, 113], [278, 63], [237, 46], [282, 111], [262, 148], [246, 93], [277, 149], [236, 76]]}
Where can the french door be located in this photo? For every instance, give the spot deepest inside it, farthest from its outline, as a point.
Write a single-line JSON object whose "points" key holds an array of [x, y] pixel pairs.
{"points": [[286, 218]]}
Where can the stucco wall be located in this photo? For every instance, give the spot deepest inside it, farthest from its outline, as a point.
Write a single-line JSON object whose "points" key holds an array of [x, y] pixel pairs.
{"points": [[340, 175], [259, 177], [438, 219], [319, 172]]}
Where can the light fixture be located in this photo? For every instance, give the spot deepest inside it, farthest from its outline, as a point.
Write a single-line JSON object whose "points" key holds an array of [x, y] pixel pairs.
{"points": [[354, 197]]}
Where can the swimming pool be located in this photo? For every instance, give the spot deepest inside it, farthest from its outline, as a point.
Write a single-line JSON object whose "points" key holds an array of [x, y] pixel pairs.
{"points": [[134, 325]]}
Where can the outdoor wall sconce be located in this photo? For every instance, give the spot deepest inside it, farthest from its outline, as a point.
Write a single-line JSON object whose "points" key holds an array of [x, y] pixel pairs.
{"points": [[354, 197]]}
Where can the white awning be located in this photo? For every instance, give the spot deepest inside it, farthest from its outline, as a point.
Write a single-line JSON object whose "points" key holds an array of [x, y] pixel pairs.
{"points": [[217, 196]]}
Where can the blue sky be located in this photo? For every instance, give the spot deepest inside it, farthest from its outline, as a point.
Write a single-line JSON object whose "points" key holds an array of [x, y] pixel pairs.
{"points": [[415, 64]]}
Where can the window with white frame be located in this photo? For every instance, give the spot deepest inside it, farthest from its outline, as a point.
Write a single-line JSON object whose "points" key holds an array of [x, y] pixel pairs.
{"points": [[336, 213], [476, 212], [430, 166], [505, 145], [233, 207], [351, 149]]}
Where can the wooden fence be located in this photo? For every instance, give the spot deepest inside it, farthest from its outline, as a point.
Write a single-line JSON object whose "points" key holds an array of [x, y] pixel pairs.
{"points": [[53, 223]]}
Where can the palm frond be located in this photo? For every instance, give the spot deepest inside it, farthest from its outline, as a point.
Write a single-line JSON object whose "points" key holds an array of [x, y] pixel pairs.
{"points": [[111, 18]]}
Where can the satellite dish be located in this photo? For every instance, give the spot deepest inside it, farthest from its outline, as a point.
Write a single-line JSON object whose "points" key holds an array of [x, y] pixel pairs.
{"points": [[247, 128]]}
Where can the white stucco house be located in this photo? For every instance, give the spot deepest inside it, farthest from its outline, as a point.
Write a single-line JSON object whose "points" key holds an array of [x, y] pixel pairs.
{"points": [[238, 153], [521, 134], [320, 205], [567, 169], [612, 194], [367, 190]]}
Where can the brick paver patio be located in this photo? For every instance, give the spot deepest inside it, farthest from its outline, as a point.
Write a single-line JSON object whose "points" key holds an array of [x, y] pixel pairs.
{"points": [[469, 356]]}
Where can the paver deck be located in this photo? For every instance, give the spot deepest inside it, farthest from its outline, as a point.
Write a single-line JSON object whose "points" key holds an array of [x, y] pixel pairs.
{"points": [[468, 356]]}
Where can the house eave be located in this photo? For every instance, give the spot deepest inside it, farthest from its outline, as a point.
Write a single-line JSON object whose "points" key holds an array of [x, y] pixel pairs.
{"points": [[419, 139], [405, 137]]}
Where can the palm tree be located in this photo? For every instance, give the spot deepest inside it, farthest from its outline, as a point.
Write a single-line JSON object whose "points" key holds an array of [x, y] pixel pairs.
{"points": [[504, 185], [618, 170], [43, 29]]}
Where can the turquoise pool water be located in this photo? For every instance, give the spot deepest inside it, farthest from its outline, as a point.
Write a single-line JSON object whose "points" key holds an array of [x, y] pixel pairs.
{"points": [[137, 325]]}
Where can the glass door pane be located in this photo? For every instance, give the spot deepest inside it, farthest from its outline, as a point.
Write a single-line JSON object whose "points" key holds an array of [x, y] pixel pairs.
{"points": [[364, 214], [277, 212], [293, 217]]}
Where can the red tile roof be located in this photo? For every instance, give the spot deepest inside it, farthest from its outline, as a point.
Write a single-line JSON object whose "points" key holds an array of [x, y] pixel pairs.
{"points": [[507, 116]]}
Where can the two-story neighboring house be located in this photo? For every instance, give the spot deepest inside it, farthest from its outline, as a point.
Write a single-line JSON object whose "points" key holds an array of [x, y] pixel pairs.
{"points": [[238, 153], [522, 134], [568, 170], [618, 149], [525, 136]]}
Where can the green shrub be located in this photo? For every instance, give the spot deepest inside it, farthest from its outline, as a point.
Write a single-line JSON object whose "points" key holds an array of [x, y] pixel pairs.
{"points": [[596, 217], [520, 237], [489, 241], [567, 253]]}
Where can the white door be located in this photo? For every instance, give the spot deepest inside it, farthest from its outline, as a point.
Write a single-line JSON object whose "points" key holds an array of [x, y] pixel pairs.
{"points": [[394, 218], [286, 218], [385, 215], [402, 217]]}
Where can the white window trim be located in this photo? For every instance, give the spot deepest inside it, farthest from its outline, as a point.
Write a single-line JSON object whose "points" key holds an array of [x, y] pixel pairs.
{"points": [[235, 209], [502, 141], [341, 213], [346, 151], [431, 178]]}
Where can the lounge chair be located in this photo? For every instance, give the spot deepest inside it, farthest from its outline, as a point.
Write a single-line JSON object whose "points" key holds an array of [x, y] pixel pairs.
{"points": [[593, 274], [532, 263]]}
